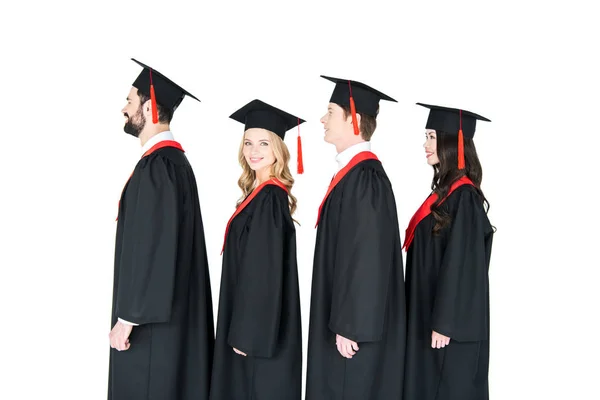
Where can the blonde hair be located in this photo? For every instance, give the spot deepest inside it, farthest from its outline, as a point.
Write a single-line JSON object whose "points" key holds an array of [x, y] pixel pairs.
{"points": [[280, 170]]}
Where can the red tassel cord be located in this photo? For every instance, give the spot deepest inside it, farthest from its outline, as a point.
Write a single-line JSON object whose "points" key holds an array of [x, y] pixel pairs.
{"points": [[461, 146], [153, 101], [300, 161], [353, 110]]}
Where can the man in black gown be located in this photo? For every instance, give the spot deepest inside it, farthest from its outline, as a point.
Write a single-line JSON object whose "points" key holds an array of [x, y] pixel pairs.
{"points": [[163, 334], [357, 316]]}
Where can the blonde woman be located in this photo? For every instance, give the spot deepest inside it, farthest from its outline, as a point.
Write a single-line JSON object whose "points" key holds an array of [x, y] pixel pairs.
{"points": [[258, 350]]}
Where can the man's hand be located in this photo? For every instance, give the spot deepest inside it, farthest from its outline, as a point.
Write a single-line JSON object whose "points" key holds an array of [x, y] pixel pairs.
{"points": [[241, 353], [346, 347], [119, 336], [439, 341]]}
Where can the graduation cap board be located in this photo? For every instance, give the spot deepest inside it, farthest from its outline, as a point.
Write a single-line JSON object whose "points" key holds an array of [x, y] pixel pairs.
{"points": [[258, 114], [358, 96], [160, 89], [453, 120]]}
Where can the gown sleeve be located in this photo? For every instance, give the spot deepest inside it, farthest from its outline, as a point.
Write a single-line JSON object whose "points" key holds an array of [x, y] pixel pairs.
{"points": [[258, 293], [364, 257], [460, 308], [149, 255]]}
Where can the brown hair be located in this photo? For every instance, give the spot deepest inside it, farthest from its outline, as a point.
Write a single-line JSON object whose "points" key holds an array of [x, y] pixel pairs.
{"points": [[165, 115], [367, 123]]}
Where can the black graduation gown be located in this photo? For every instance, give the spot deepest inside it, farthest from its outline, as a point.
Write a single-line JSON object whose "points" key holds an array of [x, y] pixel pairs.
{"points": [[358, 291], [161, 282], [447, 292], [259, 305]]}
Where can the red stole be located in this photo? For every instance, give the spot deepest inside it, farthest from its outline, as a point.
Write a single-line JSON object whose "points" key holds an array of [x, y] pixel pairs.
{"points": [[159, 145], [247, 200], [425, 210], [360, 157]]}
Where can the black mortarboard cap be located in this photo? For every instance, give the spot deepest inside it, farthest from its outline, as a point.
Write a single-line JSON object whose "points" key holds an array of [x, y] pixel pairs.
{"points": [[258, 114], [449, 120], [366, 99], [453, 120], [168, 94]]}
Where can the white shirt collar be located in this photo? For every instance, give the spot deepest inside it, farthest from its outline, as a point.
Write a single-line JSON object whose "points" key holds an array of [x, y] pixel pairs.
{"points": [[345, 156], [159, 137]]}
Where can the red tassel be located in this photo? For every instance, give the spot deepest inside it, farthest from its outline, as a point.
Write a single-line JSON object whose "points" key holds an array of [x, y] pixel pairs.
{"points": [[300, 161], [353, 110], [153, 101], [461, 150], [354, 120], [461, 146]]}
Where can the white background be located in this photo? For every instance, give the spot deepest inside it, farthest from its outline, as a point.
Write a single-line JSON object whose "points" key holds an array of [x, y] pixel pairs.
{"points": [[531, 67]]}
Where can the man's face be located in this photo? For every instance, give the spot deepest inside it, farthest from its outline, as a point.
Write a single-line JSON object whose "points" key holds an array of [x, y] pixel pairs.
{"points": [[337, 127], [135, 121]]}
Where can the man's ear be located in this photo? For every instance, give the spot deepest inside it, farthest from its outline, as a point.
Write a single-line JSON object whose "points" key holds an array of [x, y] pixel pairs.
{"points": [[358, 118], [147, 108]]}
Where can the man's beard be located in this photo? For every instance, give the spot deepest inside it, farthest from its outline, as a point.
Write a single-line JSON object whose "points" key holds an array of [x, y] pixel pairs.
{"points": [[135, 124]]}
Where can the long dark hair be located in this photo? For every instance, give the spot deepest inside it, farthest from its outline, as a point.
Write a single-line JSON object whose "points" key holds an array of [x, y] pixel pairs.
{"points": [[446, 172]]}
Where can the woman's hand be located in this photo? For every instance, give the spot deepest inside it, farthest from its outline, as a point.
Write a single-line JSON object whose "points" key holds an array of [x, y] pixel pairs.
{"points": [[346, 347]]}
